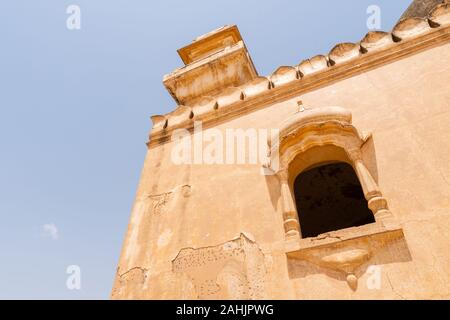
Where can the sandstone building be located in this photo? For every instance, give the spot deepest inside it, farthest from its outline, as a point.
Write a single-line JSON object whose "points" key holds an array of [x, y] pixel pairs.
{"points": [[351, 200]]}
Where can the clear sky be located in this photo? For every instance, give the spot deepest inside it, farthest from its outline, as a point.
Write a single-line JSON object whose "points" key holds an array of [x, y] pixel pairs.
{"points": [[75, 108]]}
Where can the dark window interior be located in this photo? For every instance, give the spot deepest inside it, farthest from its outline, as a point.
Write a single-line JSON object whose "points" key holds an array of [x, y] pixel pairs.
{"points": [[330, 198]]}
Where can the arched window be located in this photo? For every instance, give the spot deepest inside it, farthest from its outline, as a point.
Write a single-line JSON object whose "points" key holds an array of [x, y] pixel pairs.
{"points": [[312, 138], [334, 214], [329, 197]]}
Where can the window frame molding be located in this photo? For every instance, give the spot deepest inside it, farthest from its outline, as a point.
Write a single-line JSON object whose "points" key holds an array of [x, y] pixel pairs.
{"points": [[343, 250], [321, 127]]}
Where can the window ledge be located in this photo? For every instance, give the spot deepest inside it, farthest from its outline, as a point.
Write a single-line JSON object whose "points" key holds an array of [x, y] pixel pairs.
{"points": [[344, 250]]}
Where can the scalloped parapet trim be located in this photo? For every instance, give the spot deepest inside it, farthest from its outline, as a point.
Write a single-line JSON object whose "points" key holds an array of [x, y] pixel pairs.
{"points": [[306, 74]]}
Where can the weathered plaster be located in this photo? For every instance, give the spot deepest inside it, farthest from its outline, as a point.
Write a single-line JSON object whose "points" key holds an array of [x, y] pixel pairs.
{"points": [[399, 93]]}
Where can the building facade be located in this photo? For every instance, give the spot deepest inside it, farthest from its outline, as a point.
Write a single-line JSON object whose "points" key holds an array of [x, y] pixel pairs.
{"points": [[325, 180]]}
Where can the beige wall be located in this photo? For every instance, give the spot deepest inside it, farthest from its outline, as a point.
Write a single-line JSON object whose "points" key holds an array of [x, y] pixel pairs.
{"points": [[406, 107]]}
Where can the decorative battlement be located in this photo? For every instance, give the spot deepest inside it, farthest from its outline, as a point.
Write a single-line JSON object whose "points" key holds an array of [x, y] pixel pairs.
{"points": [[210, 43], [220, 80], [214, 62]]}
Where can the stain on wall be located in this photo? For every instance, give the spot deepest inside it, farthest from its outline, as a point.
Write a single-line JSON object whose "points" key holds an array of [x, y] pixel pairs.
{"points": [[130, 281], [231, 270]]}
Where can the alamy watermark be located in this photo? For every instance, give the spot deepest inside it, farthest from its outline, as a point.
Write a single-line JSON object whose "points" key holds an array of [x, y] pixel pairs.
{"points": [[73, 21], [231, 146], [373, 281], [373, 21], [73, 281]]}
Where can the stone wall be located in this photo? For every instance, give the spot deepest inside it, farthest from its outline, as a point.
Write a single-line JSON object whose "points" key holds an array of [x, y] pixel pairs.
{"points": [[216, 231]]}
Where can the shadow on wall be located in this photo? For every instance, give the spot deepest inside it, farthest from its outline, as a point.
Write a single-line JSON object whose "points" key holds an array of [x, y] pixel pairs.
{"points": [[396, 252], [370, 158]]}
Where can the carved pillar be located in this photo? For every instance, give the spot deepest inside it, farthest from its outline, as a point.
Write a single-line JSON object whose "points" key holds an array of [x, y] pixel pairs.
{"points": [[290, 220], [375, 200]]}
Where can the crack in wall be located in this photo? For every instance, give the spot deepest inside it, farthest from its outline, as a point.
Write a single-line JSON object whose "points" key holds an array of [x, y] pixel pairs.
{"points": [[392, 288], [326, 236], [144, 270]]}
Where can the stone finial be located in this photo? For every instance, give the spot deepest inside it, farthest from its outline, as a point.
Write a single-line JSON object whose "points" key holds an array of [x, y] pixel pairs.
{"points": [[230, 96], [283, 75], [204, 106], [410, 27], [256, 86], [313, 65], [441, 14], [180, 115], [376, 40], [159, 122], [343, 52]]}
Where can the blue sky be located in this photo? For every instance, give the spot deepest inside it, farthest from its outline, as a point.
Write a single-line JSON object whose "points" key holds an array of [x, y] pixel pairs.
{"points": [[75, 108]]}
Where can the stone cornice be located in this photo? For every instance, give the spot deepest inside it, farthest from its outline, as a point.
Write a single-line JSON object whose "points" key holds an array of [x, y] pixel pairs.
{"points": [[344, 61]]}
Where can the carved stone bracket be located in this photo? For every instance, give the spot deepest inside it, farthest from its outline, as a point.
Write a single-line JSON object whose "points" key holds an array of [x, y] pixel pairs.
{"points": [[344, 250]]}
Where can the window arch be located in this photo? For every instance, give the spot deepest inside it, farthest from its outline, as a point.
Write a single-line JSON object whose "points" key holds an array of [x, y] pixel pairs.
{"points": [[315, 137]]}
